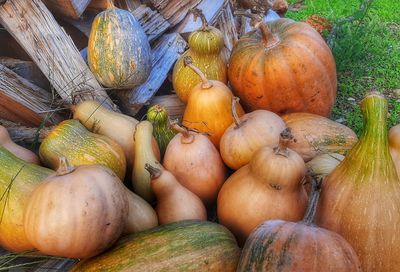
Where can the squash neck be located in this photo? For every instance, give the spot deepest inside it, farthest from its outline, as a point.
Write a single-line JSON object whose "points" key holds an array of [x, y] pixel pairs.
{"points": [[313, 201], [371, 156]]}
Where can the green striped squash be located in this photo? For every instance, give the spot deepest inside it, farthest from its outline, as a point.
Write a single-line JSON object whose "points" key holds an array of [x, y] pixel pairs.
{"points": [[18, 178], [118, 52], [182, 246]]}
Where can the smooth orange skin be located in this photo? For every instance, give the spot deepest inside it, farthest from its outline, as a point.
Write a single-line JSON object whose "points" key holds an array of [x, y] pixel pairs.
{"points": [[296, 75], [257, 129], [209, 110], [250, 196]]}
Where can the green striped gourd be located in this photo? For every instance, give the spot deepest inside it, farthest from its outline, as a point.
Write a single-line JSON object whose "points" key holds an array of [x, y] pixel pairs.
{"points": [[18, 178], [182, 246], [118, 51]]}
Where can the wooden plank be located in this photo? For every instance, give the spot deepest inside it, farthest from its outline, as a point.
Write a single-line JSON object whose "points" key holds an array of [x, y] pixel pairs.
{"points": [[36, 30], [211, 9], [69, 8], [27, 70], [164, 54], [125, 4], [227, 24], [21, 101], [153, 24], [174, 10], [172, 103], [23, 134], [84, 25]]}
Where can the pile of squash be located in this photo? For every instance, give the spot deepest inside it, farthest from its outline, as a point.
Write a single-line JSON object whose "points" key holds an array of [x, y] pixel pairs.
{"points": [[121, 194]]}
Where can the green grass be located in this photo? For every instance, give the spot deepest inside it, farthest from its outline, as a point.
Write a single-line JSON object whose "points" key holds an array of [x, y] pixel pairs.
{"points": [[367, 53]]}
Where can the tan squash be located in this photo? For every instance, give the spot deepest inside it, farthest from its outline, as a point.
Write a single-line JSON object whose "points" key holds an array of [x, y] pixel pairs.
{"points": [[316, 134], [77, 213], [143, 154], [116, 126], [19, 151], [195, 162], [248, 134], [174, 202], [141, 215], [269, 187], [72, 140], [209, 107]]}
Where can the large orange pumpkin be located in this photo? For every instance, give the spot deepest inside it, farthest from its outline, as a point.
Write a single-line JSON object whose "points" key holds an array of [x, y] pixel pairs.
{"points": [[284, 66]]}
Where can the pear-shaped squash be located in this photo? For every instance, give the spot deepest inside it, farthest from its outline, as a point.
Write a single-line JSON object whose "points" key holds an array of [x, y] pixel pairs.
{"points": [[269, 187], [283, 246], [70, 139], [360, 199], [118, 51], [17, 181], [205, 47], [100, 120], [209, 107]]}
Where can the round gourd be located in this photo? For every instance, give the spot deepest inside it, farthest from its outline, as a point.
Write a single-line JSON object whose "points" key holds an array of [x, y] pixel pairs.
{"points": [[118, 51], [284, 66], [189, 246], [77, 213], [17, 181], [282, 246]]}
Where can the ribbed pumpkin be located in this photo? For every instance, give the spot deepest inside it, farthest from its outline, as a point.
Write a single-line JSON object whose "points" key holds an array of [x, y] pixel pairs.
{"points": [[282, 246], [72, 140], [209, 107], [316, 134], [76, 213], [118, 51], [284, 66], [17, 181], [205, 47], [181, 246]]}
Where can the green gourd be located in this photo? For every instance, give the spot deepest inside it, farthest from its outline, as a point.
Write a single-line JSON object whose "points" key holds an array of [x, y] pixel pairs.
{"points": [[205, 47], [162, 131]]}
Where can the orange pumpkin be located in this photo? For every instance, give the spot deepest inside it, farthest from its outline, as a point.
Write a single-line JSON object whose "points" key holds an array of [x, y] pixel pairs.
{"points": [[284, 66]]}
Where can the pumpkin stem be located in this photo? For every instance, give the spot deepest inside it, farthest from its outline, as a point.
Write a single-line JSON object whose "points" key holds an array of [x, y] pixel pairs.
{"points": [[269, 39], [154, 171], [286, 136], [235, 116], [64, 167], [187, 137], [110, 4], [198, 13], [313, 200], [187, 61]]}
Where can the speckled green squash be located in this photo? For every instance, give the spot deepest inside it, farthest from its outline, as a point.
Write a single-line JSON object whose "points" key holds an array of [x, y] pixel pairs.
{"points": [[205, 47], [72, 140], [17, 180], [183, 246], [118, 52]]}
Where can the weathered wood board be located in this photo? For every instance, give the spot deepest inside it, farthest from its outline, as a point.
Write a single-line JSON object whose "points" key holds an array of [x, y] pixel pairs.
{"points": [[69, 8], [21, 101], [164, 54], [172, 103], [174, 11], [36, 30]]}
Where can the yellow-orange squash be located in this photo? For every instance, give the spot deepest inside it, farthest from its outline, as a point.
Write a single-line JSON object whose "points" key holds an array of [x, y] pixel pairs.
{"points": [[284, 66], [209, 107]]}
